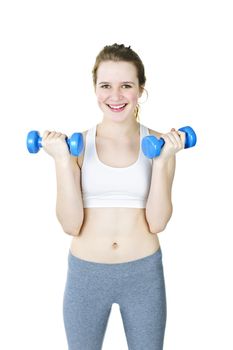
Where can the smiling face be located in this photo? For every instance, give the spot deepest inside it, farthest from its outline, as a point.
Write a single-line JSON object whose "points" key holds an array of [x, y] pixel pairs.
{"points": [[117, 89]]}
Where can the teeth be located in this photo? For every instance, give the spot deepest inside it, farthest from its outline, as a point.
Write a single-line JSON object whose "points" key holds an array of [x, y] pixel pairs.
{"points": [[117, 107]]}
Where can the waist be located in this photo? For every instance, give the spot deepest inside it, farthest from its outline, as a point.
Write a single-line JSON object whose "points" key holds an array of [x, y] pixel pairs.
{"points": [[114, 248], [114, 220], [114, 235]]}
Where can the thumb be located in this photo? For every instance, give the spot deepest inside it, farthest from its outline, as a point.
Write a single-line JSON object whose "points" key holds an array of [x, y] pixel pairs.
{"points": [[183, 137]]}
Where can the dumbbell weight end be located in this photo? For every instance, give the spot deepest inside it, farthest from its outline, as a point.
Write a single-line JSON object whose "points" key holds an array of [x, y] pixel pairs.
{"points": [[151, 146], [34, 141], [75, 144], [190, 136]]}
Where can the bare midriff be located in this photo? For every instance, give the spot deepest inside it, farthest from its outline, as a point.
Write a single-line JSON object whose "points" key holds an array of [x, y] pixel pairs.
{"points": [[114, 235]]}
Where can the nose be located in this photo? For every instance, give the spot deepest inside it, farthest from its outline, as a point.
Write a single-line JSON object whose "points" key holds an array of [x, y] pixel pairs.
{"points": [[116, 94]]}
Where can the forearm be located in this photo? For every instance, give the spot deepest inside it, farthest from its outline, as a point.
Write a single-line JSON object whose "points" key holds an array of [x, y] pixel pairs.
{"points": [[69, 205], [159, 203]]}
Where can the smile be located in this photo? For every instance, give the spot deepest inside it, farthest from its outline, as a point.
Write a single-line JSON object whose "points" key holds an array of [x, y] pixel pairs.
{"points": [[117, 108]]}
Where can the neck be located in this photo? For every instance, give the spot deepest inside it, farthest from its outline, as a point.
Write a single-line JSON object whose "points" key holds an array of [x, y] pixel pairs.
{"points": [[120, 130]]}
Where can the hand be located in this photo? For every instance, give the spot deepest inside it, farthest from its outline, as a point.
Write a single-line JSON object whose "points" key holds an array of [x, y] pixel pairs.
{"points": [[54, 143], [174, 142]]}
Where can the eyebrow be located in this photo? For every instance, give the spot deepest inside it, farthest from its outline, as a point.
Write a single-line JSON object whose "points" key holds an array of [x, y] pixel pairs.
{"points": [[123, 82]]}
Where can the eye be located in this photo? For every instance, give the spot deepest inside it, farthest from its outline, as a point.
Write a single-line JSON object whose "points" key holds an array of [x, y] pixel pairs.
{"points": [[126, 86], [105, 86]]}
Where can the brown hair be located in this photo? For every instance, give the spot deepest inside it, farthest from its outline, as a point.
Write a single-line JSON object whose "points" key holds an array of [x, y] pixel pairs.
{"points": [[118, 53]]}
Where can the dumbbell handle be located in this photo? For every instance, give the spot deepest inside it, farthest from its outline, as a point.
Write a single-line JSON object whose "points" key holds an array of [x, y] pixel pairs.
{"points": [[187, 144], [39, 142]]}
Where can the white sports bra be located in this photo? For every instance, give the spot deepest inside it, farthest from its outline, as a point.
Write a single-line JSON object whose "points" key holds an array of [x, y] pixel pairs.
{"points": [[106, 186]]}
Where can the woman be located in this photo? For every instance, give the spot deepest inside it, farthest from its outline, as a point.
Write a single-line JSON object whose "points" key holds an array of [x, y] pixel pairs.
{"points": [[114, 201]]}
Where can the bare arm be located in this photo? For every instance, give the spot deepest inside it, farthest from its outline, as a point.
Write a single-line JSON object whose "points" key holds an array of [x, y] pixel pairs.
{"points": [[159, 203], [69, 205]]}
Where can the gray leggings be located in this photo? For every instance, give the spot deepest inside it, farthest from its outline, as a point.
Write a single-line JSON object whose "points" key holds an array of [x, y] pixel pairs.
{"points": [[137, 286]]}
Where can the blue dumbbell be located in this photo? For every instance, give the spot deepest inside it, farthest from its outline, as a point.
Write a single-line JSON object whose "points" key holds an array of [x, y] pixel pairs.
{"points": [[74, 143], [151, 145]]}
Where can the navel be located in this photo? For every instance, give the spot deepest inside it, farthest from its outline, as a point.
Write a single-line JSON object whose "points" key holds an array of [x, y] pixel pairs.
{"points": [[115, 245]]}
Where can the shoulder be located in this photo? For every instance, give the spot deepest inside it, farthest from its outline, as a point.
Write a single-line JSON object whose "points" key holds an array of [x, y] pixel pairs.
{"points": [[155, 133]]}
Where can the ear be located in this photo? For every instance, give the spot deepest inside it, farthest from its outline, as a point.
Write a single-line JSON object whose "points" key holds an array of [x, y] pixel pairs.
{"points": [[141, 90]]}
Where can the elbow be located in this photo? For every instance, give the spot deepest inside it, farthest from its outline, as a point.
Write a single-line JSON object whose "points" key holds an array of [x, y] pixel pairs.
{"points": [[69, 226], [159, 225], [72, 230], [157, 228]]}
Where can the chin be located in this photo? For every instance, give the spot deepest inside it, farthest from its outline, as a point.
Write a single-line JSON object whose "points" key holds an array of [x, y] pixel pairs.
{"points": [[126, 115]]}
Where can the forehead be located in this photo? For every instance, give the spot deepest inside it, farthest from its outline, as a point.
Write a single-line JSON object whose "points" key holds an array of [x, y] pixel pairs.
{"points": [[116, 71]]}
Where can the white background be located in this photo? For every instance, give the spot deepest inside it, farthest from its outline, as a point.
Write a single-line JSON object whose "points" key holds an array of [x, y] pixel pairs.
{"points": [[48, 49]]}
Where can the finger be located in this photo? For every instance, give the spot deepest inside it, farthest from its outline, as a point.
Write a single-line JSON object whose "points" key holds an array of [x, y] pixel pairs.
{"points": [[182, 137], [45, 134], [63, 137], [57, 135], [174, 138], [178, 139], [52, 134], [168, 139]]}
